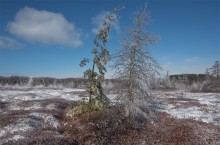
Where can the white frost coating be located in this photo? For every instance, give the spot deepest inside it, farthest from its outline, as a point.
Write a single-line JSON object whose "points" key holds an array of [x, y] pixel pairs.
{"points": [[205, 101], [68, 90], [10, 93], [51, 106], [71, 97], [14, 106], [18, 106], [203, 98], [51, 92], [34, 106], [113, 98], [207, 111], [39, 94], [30, 81], [170, 94], [170, 106], [15, 138], [21, 125], [191, 112], [25, 97], [209, 99], [49, 119]]}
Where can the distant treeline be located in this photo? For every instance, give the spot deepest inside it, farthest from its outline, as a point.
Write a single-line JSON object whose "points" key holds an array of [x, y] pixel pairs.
{"points": [[42, 81], [47, 81], [189, 78], [81, 82]]}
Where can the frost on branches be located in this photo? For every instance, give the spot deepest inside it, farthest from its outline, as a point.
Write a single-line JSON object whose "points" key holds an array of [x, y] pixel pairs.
{"points": [[135, 68]]}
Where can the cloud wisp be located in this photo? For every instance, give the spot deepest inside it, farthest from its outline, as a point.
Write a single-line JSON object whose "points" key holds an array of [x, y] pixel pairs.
{"points": [[193, 59], [99, 19], [9, 43], [44, 27]]}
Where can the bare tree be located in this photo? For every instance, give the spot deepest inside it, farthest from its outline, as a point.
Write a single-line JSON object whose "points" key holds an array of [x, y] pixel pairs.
{"points": [[135, 67]]}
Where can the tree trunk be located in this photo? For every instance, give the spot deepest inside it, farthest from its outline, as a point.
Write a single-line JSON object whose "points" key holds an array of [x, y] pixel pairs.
{"points": [[90, 92]]}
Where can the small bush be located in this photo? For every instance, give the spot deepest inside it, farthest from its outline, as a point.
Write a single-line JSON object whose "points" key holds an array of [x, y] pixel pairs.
{"points": [[94, 105]]}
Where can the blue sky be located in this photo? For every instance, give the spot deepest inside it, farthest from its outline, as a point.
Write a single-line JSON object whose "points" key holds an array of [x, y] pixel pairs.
{"points": [[51, 37]]}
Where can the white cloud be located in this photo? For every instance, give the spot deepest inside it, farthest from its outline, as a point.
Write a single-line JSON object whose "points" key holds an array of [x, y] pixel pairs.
{"points": [[193, 59], [44, 27], [99, 19], [7, 42]]}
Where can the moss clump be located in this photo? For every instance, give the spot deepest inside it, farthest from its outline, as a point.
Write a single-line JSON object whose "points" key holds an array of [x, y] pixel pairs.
{"points": [[94, 105]]}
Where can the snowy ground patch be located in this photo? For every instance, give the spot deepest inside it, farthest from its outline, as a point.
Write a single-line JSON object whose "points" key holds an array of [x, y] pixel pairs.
{"points": [[48, 119], [198, 106], [7, 95], [30, 109], [20, 126], [20, 106]]}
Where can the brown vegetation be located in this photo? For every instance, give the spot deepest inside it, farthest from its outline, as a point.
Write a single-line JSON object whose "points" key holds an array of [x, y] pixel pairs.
{"points": [[109, 127]]}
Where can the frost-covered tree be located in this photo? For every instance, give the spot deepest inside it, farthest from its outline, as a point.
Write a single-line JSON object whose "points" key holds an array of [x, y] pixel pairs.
{"points": [[135, 67], [215, 70], [95, 75], [167, 81]]}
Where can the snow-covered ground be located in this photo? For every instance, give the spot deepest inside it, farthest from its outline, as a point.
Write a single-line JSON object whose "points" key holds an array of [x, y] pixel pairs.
{"points": [[8, 95], [23, 111], [204, 107]]}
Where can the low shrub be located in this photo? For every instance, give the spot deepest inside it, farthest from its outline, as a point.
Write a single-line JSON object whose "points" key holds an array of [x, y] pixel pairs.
{"points": [[94, 105]]}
